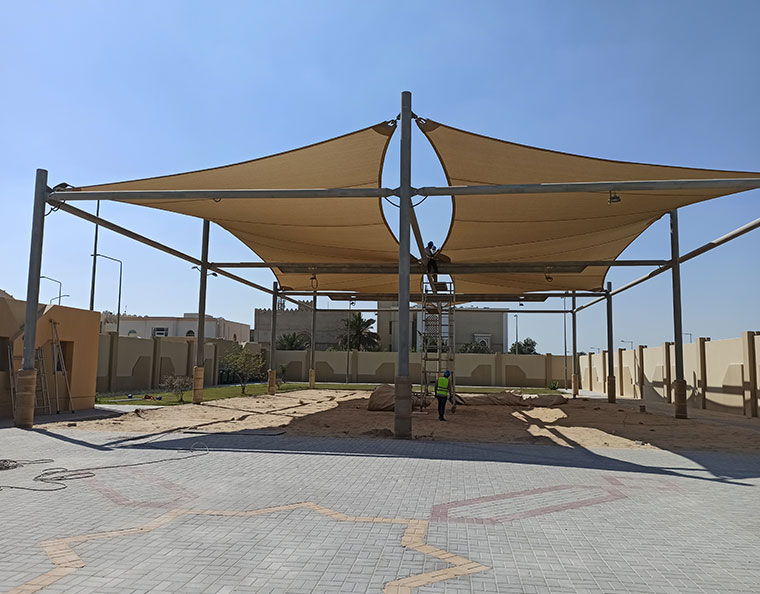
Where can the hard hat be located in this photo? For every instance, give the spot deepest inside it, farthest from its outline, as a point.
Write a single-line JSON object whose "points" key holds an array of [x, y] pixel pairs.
{"points": [[446, 373]]}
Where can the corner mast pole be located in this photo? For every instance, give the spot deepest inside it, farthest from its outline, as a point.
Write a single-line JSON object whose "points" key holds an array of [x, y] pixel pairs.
{"points": [[679, 384], [200, 335], [26, 379], [403, 405]]}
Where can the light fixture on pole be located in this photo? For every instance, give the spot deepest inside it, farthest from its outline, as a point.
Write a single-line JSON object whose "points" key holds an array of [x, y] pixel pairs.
{"points": [[690, 335], [629, 342], [614, 198], [211, 273], [59, 298], [60, 286], [118, 305]]}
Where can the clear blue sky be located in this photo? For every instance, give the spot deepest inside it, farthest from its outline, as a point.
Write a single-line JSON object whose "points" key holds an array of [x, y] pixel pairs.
{"points": [[105, 91]]}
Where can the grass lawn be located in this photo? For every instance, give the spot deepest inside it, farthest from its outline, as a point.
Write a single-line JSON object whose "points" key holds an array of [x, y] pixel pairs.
{"points": [[220, 392]]}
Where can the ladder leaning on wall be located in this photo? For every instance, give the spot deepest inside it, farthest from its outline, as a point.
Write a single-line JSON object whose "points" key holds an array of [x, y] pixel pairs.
{"points": [[42, 393], [59, 363]]}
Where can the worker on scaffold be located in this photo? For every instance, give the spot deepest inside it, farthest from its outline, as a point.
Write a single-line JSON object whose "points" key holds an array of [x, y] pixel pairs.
{"points": [[442, 393], [432, 265]]}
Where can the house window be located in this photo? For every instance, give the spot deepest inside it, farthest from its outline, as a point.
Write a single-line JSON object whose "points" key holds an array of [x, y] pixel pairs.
{"points": [[160, 332], [132, 333], [189, 333]]}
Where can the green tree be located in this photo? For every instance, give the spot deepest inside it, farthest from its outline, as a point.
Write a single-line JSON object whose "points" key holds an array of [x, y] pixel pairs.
{"points": [[475, 347], [293, 342], [524, 347], [244, 365], [358, 334]]}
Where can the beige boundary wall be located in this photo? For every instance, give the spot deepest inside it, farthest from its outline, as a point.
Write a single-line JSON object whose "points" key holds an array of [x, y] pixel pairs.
{"points": [[126, 363], [537, 371], [721, 375]]}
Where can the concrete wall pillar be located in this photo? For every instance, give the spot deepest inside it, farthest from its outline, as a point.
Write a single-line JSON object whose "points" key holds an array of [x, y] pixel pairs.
{"points": [[749, 361], [641, 376], [190, 358], [591, 372], [547, 369], [272, 382], [620, 374], [113, 360], [155, 367], [498, 364], [666, 373], [702, 382]]}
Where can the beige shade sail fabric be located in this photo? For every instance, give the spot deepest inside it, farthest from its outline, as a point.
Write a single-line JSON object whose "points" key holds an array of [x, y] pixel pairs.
{"points": [[320, 230], [548, 227]]}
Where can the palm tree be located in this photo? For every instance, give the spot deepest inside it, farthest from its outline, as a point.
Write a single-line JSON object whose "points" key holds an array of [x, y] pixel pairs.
{"points": [[361, 338], [292, 342]]}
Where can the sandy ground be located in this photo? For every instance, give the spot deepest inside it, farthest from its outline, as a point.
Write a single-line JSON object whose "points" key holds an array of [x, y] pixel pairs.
{"points": [[586, 423]]}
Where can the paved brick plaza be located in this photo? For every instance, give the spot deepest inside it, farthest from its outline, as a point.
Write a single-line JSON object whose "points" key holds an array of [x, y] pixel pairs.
{"points": [[283, 514]]}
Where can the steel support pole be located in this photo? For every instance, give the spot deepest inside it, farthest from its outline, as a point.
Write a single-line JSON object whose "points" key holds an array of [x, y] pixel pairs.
{"points": [[403, 404], [200, 357], [312, 371], [576, 374], [272, 375], [610, 349], [679, 385], [26, 379], [94, 259]]}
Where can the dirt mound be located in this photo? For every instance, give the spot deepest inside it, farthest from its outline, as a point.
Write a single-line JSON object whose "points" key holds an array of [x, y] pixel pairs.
{"points": [[515, 399]]}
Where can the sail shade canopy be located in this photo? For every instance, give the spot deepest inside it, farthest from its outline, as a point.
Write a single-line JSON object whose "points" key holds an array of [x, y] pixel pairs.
{"points": [[579, 226], [319, 230]]}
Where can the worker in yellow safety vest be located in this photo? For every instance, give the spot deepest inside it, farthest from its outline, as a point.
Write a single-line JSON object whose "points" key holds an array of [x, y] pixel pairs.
{"points": [[442, 391]]}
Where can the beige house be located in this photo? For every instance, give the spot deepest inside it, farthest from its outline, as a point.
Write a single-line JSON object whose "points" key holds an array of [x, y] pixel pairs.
{"points": [[328, 326], [475, 324], [166, 326], [78, 337]]}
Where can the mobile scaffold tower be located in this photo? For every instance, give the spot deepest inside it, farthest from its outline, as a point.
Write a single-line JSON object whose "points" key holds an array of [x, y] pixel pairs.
{"points": [[437, 345]]}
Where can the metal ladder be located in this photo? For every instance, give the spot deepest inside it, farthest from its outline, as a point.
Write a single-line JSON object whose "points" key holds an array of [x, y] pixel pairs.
{"points": [[42, 393], [58, 361], [437, 345], [12, 379]]}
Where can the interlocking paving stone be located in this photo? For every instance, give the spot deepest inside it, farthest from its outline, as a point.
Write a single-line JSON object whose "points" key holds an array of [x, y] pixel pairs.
{"points": [[684, 522]]}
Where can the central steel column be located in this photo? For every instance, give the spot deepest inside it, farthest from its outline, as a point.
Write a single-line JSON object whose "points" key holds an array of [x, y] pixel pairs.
{"points": [[26, 378], [94, 260], [312, 372], [679, 385], [200, 355], [576, 374], [272, 374], [403, 405], [610, 348]]}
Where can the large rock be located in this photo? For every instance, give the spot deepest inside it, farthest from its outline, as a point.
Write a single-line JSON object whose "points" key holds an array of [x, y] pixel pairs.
{"points": [[382, 398]]}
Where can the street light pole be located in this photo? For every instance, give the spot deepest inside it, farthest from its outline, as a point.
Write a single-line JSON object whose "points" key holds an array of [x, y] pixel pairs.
{"points": [[118, 306], [60, 287], [517, 337], [629, 342], [59, 298], [690, 335]]}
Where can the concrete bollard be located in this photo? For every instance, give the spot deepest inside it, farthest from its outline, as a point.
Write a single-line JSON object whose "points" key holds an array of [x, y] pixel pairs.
{"points": [[575, 385], [26, 390], [312, 378], [198, 384]]}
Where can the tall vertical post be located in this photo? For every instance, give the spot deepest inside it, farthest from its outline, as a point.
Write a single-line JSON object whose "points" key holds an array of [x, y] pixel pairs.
{"points": [[26, 379], [200, 351], [272, 374], [403, 404], [94, 259], [576, 370], [610, 348], [312, 372], [679, 385]]}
